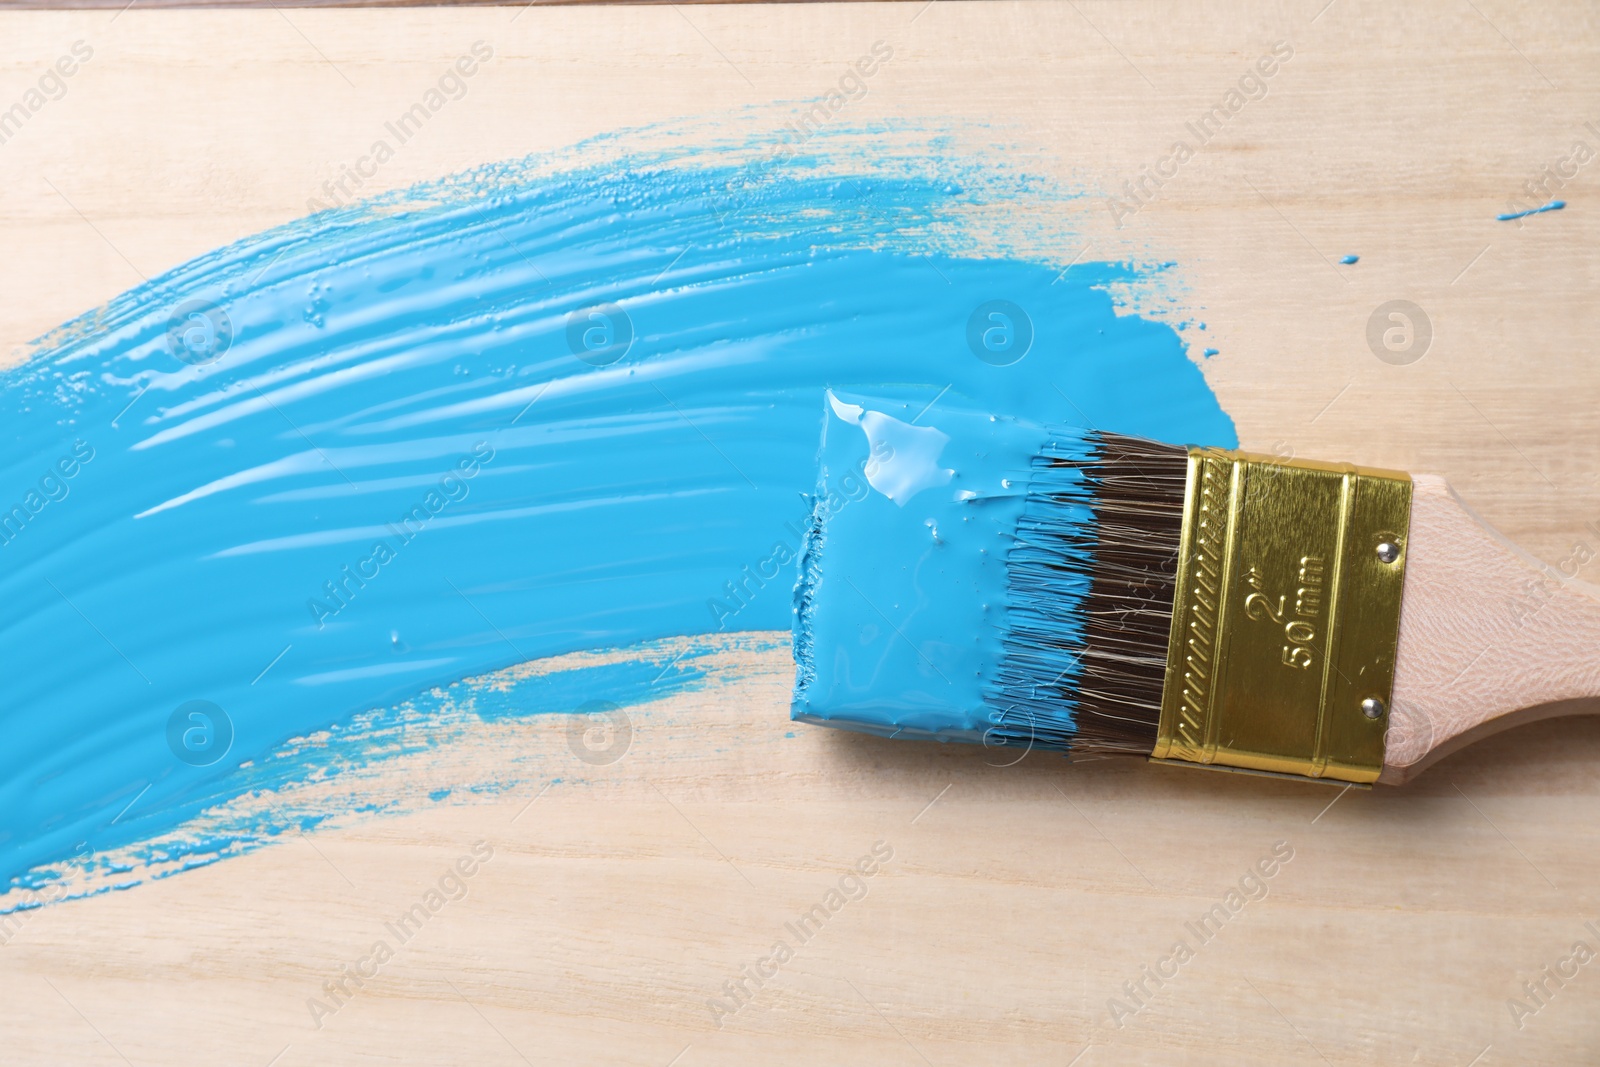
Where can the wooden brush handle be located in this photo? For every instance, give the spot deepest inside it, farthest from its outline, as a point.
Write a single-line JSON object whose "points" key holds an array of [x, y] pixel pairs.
{"points": [[1489, 637]]}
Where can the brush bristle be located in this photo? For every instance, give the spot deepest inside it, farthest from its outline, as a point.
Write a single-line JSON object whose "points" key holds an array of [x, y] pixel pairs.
{"points": [[1091, 581]]}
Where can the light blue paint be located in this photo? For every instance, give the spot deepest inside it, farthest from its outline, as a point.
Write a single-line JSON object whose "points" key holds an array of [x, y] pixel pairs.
{"points": [[905, 599], [1554, 205], [1211, 352], [628, 681], [399, 474], [1352, 258], [895, 626]]}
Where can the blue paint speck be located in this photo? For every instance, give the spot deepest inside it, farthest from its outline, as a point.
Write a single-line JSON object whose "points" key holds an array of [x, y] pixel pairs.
{"points": [[1554, 205], [1210, 352], [1347, 260]]}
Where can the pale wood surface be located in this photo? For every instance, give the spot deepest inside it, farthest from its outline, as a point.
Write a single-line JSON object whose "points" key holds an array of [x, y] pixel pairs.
{"points": [[1489, 637], [1019, 899]]}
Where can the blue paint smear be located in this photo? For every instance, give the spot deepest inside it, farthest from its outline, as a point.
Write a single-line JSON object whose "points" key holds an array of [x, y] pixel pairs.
{"points": [[897, 610], [1352, 258], [1554, 205], [629, 681], [545, 406], [923, 562], [344, 772]]}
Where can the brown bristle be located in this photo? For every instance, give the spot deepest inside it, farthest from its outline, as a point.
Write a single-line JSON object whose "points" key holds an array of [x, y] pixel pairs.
{"points": [[1086, 638], [1139, 511]]}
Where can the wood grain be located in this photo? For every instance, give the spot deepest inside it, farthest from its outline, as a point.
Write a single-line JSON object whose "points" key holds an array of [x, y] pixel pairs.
{"points": [[1489, 637], [1020, 899], [116, 5]]}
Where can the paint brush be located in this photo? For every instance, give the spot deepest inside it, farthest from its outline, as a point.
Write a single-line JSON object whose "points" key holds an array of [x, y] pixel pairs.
{"points": [[969, 577]]}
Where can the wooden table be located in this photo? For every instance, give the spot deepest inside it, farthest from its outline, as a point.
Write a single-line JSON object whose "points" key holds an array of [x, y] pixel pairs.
{"points": [[1018, 900]]}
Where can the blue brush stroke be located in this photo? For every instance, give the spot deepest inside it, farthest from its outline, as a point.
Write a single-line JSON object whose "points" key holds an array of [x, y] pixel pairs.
{"points": [[516, 413]]}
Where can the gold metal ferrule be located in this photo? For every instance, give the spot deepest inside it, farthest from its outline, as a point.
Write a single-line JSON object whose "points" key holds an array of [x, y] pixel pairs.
{"points": [[1285, 617]]}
